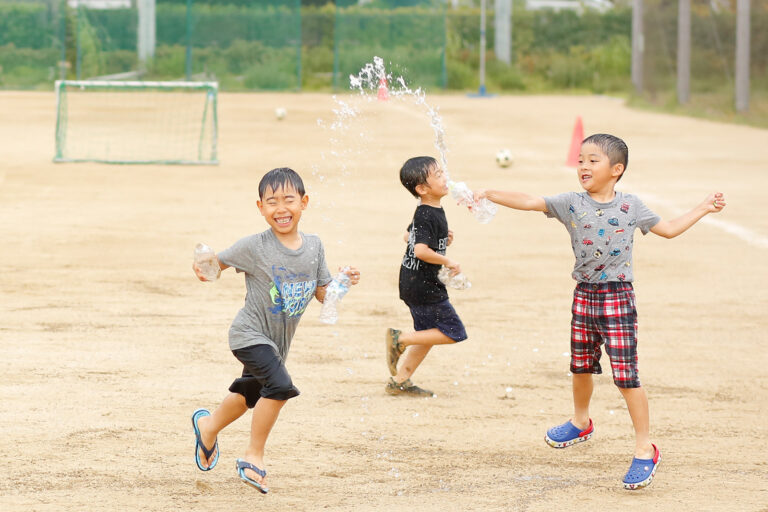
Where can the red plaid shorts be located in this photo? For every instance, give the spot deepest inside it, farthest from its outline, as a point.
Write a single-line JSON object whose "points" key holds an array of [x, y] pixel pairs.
{"points": [[605, 313]]}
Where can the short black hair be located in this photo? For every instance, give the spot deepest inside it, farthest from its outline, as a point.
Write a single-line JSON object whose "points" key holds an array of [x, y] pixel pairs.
{"points": [[280, 177], [415, 171], [615, 149]]}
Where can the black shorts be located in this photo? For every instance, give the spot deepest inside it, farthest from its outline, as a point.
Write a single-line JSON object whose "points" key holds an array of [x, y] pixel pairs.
{"points": [[440, 316], [264, 375]]}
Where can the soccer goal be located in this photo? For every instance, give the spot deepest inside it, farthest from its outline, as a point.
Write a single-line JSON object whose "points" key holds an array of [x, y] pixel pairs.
{"points": [[136, 122]]}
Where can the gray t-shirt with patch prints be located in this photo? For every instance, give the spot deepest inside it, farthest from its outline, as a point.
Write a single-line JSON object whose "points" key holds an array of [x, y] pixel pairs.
{"points": [[602, 234], [279, 282]]}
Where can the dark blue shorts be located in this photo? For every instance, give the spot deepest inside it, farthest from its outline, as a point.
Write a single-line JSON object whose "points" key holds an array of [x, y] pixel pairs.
{"points": [[441, 316], [264, 375]]}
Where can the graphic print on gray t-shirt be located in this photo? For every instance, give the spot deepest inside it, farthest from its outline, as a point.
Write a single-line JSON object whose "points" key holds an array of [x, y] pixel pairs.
{"points": [[279, 282], [602, 234]]}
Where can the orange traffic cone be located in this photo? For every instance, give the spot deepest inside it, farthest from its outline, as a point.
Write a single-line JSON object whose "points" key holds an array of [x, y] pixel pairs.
{"points": [[383, 91], [575, 149]]}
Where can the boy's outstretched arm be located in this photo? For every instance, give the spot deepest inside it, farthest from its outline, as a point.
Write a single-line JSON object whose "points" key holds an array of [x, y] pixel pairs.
{"points": [[713, 203], [513, 199]]}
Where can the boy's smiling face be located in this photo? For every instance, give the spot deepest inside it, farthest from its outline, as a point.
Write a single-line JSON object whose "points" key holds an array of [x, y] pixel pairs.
{"points": [[282, 208], [595, 172]]}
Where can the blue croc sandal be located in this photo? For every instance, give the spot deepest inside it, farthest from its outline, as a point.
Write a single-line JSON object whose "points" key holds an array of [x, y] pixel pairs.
{"points": [[242, 466], [568, 434], [199, 443], [641, 471]]}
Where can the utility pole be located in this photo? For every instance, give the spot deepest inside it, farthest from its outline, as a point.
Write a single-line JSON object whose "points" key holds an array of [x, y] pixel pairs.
{"points": [[638, 45], [683, 51], [502, 22], [742, 55], [146, 32]]}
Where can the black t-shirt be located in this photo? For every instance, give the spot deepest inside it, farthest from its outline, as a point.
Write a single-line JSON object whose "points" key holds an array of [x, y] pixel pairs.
{"points": [[418, 279]]}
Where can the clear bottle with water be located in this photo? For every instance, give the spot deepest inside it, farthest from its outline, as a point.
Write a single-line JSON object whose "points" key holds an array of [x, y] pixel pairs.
{"points": [[483, 210], [336, 290], [207, 262], [457, 282]]}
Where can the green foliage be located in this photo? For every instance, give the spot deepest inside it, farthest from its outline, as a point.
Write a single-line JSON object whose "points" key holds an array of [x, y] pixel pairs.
{"points": [[461, 76], [92, 59], [503, 77], [247, 44], [28, 25]]}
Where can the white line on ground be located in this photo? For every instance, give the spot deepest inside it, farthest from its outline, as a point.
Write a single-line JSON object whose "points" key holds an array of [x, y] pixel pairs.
{"points": [[746, 234]]}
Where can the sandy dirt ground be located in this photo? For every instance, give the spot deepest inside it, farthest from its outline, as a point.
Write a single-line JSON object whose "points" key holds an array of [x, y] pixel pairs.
{"points": [[110, 342]]}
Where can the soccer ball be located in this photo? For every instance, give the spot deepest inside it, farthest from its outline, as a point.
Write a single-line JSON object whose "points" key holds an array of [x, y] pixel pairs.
{"points": [[504, 158], [280, 113]]}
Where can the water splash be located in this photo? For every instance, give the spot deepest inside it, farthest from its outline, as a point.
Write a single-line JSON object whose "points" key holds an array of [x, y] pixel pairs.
{"points": [[373, 76], [372, 79]]}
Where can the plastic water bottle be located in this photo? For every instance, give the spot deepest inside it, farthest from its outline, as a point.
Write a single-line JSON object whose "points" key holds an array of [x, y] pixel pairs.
{"points": [[458, 282], [207, 262], [336, 290], [483, 210]]}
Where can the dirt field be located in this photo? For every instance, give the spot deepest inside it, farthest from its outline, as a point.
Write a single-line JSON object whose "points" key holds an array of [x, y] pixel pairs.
{"points": [[110, 342]]}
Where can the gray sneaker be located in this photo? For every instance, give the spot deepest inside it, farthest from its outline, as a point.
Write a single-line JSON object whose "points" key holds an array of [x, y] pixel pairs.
{"points": [[405, 388], [394, 349]]}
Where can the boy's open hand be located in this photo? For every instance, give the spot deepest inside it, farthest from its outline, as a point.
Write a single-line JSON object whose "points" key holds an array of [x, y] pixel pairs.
{"points": [[352, 273], [714, 202]]}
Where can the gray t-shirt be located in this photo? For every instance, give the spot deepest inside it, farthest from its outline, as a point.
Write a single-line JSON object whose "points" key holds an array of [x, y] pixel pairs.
{"points": [[602, 234], [279, 282]]}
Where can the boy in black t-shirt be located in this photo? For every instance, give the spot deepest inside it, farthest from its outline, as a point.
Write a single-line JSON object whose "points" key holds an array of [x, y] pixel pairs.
{"points": [[434, 320]]}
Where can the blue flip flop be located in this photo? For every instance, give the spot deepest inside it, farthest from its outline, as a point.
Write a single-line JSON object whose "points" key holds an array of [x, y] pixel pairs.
{"points": [[568, 434], [242, 466], [642, 471], [199, 443]]}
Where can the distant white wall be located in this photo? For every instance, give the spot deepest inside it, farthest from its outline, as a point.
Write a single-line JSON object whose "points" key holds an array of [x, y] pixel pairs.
{"points": [[100, 4], [575, 5]]}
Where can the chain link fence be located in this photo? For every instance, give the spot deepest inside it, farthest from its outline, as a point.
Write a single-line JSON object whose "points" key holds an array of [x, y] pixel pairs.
{"points": [[284, 45]]}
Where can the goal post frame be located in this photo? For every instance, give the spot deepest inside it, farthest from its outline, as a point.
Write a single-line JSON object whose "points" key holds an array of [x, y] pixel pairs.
{"points": [[210, 109]]}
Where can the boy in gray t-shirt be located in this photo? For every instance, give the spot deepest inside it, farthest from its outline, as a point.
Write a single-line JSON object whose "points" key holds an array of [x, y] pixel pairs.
{"points": [[601, 223], [283, 269]]}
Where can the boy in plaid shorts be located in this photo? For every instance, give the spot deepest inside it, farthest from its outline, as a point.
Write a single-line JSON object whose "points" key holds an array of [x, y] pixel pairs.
{"points": [[601, 222]]}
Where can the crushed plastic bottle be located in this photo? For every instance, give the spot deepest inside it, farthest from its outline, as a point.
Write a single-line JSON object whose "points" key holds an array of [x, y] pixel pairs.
{"points": [[458, 282], [206, 261], [483, 210], [336, 291]]}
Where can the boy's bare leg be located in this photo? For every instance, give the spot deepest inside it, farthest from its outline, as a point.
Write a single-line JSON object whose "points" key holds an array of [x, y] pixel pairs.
{"points": [[421, 342], [232, 407], [637, 404], [582, 394], [264, 417], [429, 337], [410, 361]]}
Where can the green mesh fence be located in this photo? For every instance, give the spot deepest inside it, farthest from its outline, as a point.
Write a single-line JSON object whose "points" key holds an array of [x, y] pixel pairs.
{"points": [[712, 62], [103, 42], [136, 122], [284, 45], [245, 45], [32, 35], [410, 35]]}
